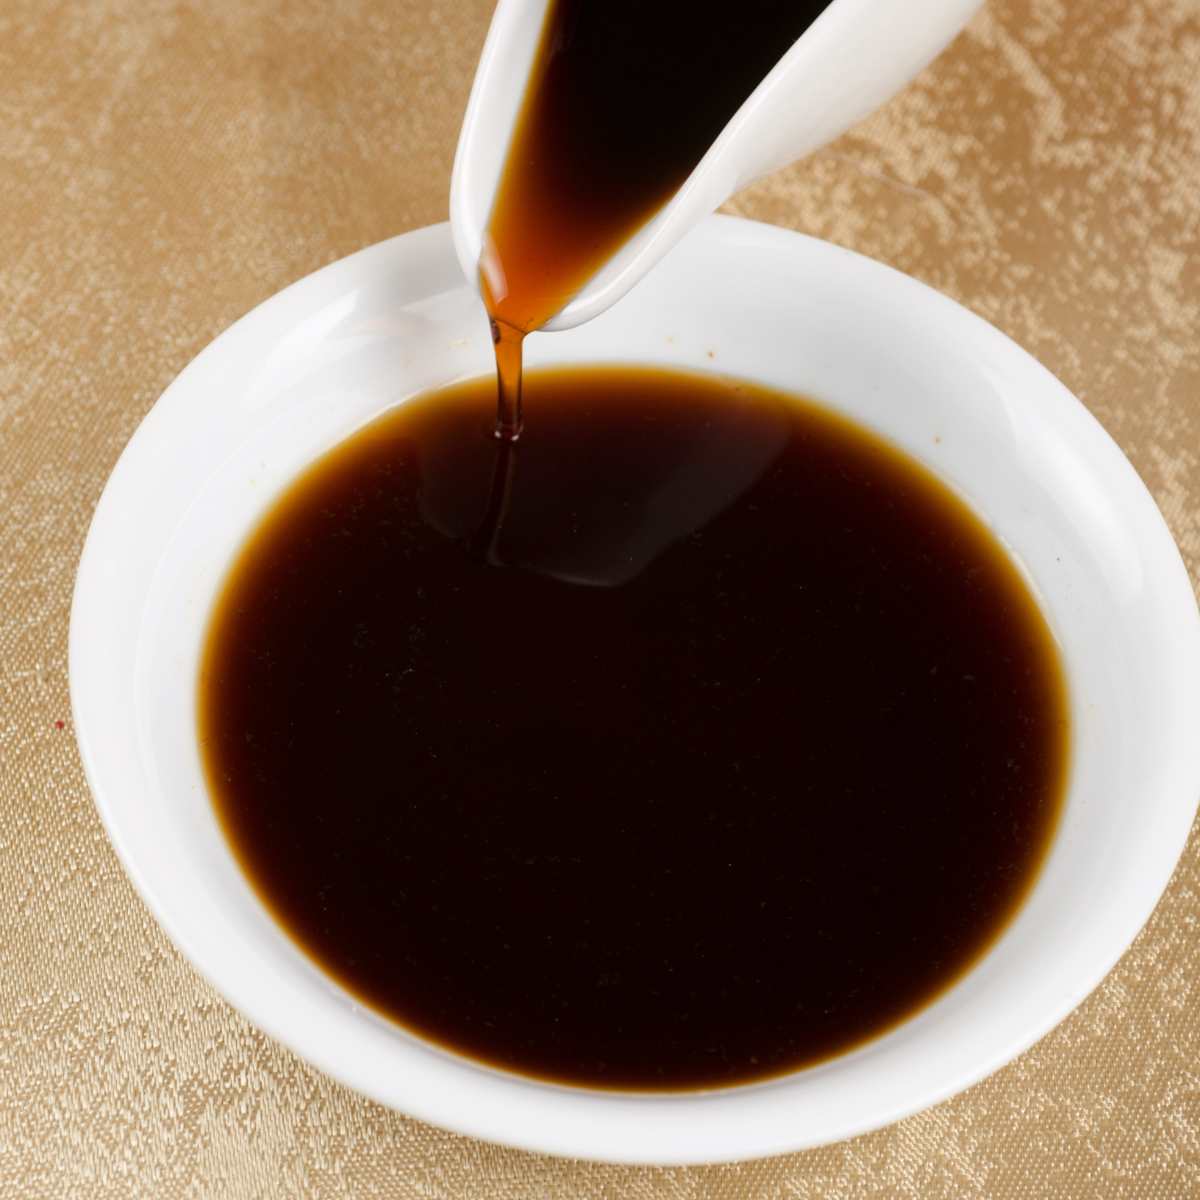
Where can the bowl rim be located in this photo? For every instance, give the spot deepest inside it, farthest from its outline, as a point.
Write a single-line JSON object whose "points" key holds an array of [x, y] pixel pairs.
{"points": [[447, 1107]]}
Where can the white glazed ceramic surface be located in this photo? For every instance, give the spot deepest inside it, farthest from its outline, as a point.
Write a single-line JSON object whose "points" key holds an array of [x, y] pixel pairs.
{"points": [[340, 347], [852, 58]]}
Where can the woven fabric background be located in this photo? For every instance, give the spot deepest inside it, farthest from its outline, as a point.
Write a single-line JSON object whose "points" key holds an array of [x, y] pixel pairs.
{"points": [[164, 166]]}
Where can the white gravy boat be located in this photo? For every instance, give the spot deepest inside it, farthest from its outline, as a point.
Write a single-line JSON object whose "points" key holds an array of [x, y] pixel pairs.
{"points": [[852, 58]]}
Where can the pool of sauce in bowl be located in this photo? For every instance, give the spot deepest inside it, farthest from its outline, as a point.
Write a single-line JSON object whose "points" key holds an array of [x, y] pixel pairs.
{"points": [[730, 740]]}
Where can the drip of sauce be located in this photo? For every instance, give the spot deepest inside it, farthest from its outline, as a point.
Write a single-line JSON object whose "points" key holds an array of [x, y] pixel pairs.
{"points": [[509, 343], [750, 750], [623, 99]]}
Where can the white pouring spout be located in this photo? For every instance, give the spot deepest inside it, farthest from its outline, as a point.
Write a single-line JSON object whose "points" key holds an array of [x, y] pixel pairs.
{"points": [[852, 58]]}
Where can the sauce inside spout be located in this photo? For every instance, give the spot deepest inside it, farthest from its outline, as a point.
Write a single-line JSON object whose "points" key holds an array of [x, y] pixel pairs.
{"points": [[623, 99]]}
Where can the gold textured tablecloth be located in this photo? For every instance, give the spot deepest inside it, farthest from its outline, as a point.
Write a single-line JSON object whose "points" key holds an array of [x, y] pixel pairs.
{"points": [[164, 166]]}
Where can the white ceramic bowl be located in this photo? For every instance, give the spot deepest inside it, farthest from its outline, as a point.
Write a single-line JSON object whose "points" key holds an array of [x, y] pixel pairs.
{"points": [[336, 349]]}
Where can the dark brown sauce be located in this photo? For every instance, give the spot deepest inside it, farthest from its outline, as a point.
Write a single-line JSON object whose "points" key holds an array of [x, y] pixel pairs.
{"points": [[623, 99], [733, 743]]}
